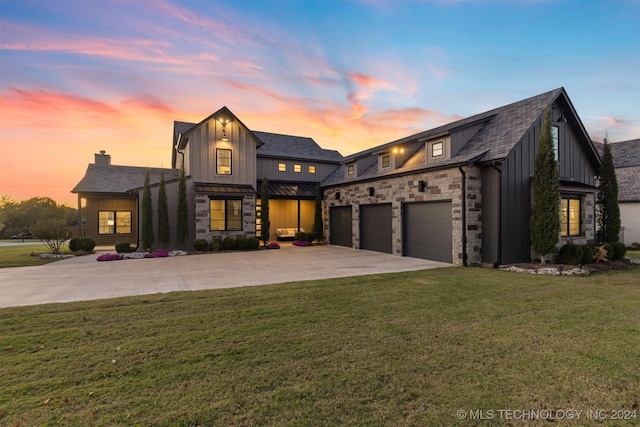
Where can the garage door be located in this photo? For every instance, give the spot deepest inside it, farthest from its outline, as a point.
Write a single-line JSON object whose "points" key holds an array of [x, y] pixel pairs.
{"points": [[427, 231], [375, 227], [340, 228]]}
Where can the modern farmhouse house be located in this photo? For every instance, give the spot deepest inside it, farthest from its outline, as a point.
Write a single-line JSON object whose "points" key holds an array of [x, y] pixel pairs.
{"points": [[459, 193]]}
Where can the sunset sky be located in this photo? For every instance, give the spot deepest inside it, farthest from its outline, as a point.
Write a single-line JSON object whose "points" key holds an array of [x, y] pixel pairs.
{"points": [[77, 77]]}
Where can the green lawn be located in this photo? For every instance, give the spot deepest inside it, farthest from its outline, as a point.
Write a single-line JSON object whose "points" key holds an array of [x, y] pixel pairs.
{"points": [[407, 349], [20, 255], [633, 254]]}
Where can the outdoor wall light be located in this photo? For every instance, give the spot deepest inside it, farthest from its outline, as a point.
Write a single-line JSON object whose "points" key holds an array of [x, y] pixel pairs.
{"points": [[224, 135], [398, 150]]}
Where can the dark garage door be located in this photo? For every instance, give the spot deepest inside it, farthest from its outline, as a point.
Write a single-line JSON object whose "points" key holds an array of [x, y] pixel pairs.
{"points": [[427, 231], [340, 229], [375, 227]]}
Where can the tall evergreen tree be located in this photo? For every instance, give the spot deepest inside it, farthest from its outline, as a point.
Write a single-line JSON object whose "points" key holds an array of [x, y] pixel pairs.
{"points": [[265, 223], [544, 226], [183, 210], [147, 215], [318, 226], [164, 234], [608, 209]]}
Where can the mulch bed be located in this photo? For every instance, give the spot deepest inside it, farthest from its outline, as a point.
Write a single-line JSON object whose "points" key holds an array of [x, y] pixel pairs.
{"points": [[622, 264]]}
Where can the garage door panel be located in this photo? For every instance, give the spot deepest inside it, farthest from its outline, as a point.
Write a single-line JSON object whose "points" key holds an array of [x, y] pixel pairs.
{"points": [[427, 230], [375, 227], [340, 226]]}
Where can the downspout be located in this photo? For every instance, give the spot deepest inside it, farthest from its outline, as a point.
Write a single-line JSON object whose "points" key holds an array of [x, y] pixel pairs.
{"points": [[464, 215], [499, 260]]}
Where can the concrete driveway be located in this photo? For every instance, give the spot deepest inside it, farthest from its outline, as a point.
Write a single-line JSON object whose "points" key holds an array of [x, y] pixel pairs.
{"points": [[83, 278]]}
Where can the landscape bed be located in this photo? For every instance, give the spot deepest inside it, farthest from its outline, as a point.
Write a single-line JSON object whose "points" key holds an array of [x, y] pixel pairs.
{"points": [[396, 349]]}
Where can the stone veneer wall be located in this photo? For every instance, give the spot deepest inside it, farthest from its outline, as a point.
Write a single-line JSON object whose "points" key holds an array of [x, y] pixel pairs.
{"points": [[442, 185], [202, 219]]}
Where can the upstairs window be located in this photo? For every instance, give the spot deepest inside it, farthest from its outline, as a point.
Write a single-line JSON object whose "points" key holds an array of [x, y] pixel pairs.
{"points": [[385, 161], [351, 169], [282, 167], [554, 140], [570, 214], [223, 161], [437, 149], [297, 168], [312, 169]]}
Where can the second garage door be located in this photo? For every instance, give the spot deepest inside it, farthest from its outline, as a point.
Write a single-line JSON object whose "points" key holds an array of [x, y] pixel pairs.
{"points": [[340, 228], [427, 230], [375, 227]]}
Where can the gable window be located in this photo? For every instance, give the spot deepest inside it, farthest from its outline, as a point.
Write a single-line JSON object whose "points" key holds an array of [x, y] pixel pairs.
{"points": [[225, 214], [223, 161], [386, 161], [570, 214], [312, 169], [297, 168], [351, 169], [437, 149], [554, 140], [282, 167], [114, 222]]}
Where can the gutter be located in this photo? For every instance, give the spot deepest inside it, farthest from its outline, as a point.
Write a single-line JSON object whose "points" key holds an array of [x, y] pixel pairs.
{"points": [[499, 260], [464, 216]]}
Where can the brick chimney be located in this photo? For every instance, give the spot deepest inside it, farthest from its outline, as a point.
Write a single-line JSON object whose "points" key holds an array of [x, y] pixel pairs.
{"points": [[103, 159]]}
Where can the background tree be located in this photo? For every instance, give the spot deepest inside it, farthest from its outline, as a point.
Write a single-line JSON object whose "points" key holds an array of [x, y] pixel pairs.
{"points": [[608, 209], [318, 226], [182, 224], [164, 234], [147, 214], [545, 214], [265, 223]]}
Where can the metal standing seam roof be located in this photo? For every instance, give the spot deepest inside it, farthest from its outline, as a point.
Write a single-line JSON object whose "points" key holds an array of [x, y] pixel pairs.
{"points": [[304, 190], [224, 189]]}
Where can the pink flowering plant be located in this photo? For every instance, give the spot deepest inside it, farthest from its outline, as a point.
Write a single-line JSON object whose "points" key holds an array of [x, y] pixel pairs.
{"points": [[160, 253], [301, 243], [273, 245], [110, 257]]}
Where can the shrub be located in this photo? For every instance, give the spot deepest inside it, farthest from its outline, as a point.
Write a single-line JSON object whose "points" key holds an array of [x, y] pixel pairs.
{"points": [[216, 244], [309, 237], [229, 243], [635, 246], [254, 243], [619, 250], [608, 247], [300, 235], [73, 244], [86, 244], [201, 245], [570, 254], [587, 254], [123, 247], [600, 254], [242, 243]]}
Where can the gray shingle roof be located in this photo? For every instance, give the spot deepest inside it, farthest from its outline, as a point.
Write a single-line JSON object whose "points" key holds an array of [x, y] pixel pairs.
{"points": [[625, 153], [120, 179], [501, 130], [295, 147], [628, 179]]}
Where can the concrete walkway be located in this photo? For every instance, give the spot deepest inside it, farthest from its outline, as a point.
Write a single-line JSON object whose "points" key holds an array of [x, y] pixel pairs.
{"points": [[83, 278]]}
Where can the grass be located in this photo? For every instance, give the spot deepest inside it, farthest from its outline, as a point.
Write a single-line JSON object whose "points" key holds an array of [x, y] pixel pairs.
{"points": [[406, 349], [633, 254], [20, 255]]}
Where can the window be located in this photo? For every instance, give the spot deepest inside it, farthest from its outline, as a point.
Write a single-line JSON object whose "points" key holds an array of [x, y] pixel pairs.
{"points": [[386, 161], [225, 214], [570, 213], [351, 169], [312, 169], [437, 149], [282, 167], [223, 161], [114, 222], [297, 168], [554, 140]]}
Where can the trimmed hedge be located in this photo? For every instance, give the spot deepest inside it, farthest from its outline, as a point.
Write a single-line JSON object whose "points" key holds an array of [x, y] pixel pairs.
{"points": [[587, 254], [201, 245], [216, 244], [229, 243], [615, 251], [254, 243], [85, 244], [73, 244], [570, 254], [242, 243], [123, 247]]}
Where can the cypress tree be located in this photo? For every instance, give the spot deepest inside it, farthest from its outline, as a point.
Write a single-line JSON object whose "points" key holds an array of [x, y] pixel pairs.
{"points": [[544, 225], [265, 223], [147, 215], [609, 211], [183, 210], [317, 215], [164, 234]]}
